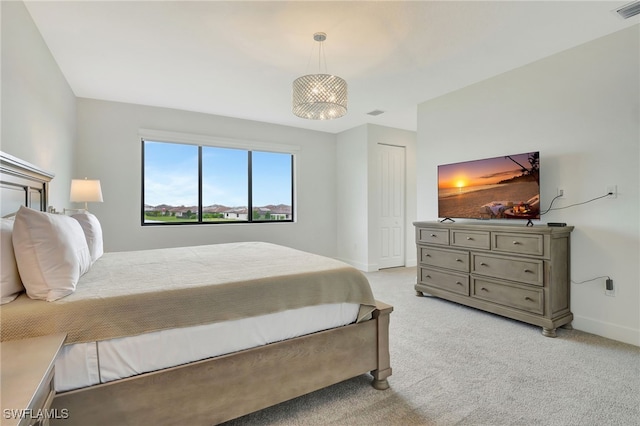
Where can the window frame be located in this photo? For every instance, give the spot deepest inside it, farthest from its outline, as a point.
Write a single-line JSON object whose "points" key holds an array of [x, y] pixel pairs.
{"points": [[205, 141]]}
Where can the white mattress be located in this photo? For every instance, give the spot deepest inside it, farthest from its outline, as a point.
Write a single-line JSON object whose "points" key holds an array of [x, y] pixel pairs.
{"points": [[85, 364]]}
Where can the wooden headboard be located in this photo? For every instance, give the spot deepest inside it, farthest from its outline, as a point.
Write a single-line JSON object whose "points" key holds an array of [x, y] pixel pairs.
{"points": [[22, 184]]}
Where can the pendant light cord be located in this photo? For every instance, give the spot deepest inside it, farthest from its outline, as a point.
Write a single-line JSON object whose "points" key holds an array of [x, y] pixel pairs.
{"points": [[321, 57], [321, 53]]}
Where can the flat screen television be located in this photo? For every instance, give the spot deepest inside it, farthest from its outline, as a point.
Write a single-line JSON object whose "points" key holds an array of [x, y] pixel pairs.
{"points": [[506, 187]]}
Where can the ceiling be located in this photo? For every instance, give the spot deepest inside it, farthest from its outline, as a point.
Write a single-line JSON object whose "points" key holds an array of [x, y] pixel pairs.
{"points": [[239, 58]]}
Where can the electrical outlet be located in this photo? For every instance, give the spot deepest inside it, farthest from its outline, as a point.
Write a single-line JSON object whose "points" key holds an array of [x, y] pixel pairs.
{"points": [[612, 190], [609, 288], [560, 192]]}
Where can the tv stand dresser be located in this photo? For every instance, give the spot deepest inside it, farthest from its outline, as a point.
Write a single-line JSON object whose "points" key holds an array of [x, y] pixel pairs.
{"points": [[520, 272]]}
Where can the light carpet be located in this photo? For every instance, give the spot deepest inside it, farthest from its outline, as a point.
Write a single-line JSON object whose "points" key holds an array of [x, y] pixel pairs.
{"points": [[454, 365]]}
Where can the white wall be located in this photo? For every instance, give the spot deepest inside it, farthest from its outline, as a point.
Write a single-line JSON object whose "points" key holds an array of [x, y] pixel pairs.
{"points": [[38, 106], [358, 193], [352, 197], [109, 149], [580, 108]]}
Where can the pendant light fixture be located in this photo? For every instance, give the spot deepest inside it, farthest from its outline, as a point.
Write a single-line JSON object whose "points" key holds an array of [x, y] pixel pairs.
{"points": [[320, 96]]}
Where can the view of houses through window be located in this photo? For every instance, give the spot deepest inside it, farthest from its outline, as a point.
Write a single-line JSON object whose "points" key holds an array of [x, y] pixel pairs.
{"points": [[184, 183]]}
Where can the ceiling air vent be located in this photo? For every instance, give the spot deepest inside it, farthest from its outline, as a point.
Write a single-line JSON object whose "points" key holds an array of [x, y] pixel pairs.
{"points": [[375, 112], [629, 10]]}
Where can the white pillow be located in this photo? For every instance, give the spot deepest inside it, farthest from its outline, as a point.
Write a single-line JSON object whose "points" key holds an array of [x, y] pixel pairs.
{"points": [[10, 284], [51, 252], [92, 232]]}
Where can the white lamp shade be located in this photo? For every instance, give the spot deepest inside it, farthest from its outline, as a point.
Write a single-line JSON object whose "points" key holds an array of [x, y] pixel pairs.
{"points": [[86, 190]]}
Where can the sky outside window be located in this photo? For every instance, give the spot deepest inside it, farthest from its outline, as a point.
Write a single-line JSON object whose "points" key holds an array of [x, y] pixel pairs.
{"points": [[271, 178], [170, 174], [171, 177], [224, 177]]}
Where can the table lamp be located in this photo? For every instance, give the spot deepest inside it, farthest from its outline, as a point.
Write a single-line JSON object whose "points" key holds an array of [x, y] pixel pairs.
{"points": [[86, 191]]}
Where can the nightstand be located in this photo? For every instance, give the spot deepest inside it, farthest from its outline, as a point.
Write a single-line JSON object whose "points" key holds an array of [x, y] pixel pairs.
{"points": [[26, 377]]}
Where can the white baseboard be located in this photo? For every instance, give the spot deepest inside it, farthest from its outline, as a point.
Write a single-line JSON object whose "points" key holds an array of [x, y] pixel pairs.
{"points": [[606, 329]]}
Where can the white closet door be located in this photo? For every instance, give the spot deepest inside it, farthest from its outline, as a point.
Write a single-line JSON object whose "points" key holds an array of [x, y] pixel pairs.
{"points": [[392, 200]]}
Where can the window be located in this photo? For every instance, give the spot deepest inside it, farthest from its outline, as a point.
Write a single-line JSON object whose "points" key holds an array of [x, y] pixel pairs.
{"points": [[196, 184]]}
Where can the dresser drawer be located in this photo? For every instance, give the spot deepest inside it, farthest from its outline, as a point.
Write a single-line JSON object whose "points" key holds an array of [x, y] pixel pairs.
{"points": [[518, 243], [519, 297], [471, 239], [450, 259], [450, 281], [433, 236], [530, 271]]}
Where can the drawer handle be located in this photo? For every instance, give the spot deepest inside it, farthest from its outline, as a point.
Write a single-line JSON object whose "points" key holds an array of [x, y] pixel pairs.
{"points": [[469, 239], [528, 271], [434, 235], [427, 255], [428, 276], [483, 289], [528, 299], [515, 243], [458, 260], [483, 264], [458, 282]]}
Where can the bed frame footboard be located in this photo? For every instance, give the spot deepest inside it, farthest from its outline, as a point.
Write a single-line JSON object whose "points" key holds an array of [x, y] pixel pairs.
{"points": [[382, 317], [215, 390]]}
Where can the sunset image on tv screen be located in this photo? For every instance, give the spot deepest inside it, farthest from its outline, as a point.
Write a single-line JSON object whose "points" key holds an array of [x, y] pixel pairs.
{"points": [[506, 187]]}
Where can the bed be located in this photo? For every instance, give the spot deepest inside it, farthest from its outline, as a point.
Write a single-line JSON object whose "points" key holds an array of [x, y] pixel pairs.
{"points": [[312, 322]]}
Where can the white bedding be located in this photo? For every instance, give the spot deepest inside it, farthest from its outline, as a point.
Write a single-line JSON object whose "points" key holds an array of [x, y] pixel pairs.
{"points": [[84, 364], [136, 292]]}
